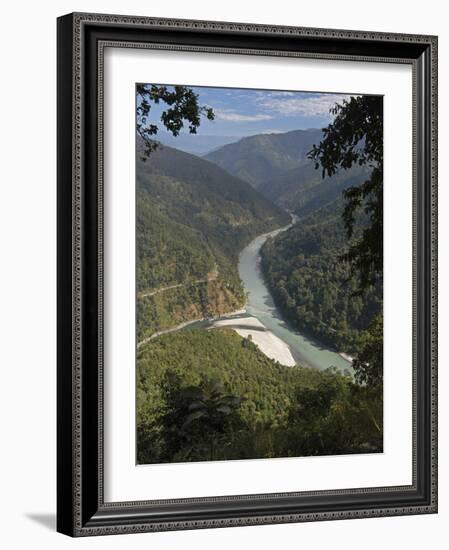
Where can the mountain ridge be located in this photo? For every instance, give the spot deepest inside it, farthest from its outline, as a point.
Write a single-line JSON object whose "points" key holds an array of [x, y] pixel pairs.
{"points": [[193, 218], [277, 165], [261, 156]]}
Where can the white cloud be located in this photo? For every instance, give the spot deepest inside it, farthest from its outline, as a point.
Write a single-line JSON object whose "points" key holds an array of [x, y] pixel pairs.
{"points": [[273, 131], [228, 115], [314, 105], [280, 93]]}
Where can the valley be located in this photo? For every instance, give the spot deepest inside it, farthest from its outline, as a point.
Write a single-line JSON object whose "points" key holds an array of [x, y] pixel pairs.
{"points": [[209, 257], [246, 310], [193, 219]]}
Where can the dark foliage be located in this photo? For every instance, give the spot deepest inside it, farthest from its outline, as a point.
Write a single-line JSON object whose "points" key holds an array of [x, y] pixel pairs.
{"points": [[355, 137], [311, 284], [215, 396], [368, 364], [199, 420], [183, 108]]}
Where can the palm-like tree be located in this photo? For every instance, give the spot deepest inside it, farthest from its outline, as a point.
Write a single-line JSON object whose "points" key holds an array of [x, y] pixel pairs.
{"points": [[210, 407]]}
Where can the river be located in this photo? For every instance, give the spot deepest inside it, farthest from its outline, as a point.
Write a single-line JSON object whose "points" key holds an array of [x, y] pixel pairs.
{"points": [[260, 304]]}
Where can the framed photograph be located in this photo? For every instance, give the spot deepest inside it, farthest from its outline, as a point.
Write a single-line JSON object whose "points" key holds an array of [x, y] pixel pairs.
{"points": [[246, 274]]}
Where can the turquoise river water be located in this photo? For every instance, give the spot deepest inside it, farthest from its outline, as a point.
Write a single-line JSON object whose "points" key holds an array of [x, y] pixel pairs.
{"points": [[260, 304]]}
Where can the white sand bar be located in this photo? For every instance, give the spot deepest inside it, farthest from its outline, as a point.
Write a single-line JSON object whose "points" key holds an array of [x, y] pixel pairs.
{"points": [[240, 321], [269, 344]]}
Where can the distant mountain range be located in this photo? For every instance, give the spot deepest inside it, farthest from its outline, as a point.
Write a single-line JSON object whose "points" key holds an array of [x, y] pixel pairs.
{"points": [[257, 159], [197, 144], [195, 214], [277, 165], [193, 218]]}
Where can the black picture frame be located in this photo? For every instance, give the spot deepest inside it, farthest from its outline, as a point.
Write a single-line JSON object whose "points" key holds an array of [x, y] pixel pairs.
{"points": [[81, 510]]}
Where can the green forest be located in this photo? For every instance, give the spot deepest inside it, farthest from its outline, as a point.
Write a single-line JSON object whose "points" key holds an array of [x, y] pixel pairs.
{"points": [[207, 393], [312, 285], [193, 218], [277, 165], [213, 395]]}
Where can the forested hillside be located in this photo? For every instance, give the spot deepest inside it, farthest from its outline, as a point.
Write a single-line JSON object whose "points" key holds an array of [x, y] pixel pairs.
{"points": [[193, 218], [278, 166], [212, 395], [216, 389], [263, 157], [303, 190], [312, 285]]}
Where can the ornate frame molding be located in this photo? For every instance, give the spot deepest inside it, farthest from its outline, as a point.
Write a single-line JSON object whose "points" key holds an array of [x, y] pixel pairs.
{"points": [[81, 42]]}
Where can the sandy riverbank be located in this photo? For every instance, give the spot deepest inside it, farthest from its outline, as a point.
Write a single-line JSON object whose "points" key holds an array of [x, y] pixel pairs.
{"points": [[269, 344], [346, 357]]}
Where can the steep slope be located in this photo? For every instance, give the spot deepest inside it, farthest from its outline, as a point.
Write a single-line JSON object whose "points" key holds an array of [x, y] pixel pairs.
{"points": [[260, 158], [277, 165], [304, 190], [281, 411], [312, 285], [193, 218]]}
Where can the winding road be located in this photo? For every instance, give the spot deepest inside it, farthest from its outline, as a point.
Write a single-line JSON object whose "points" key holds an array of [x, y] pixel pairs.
{"points": [[211, 277], [260, 305]]}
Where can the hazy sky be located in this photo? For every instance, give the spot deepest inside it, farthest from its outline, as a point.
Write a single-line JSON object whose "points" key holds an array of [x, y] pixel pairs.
{"points": [[240, 112]]}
